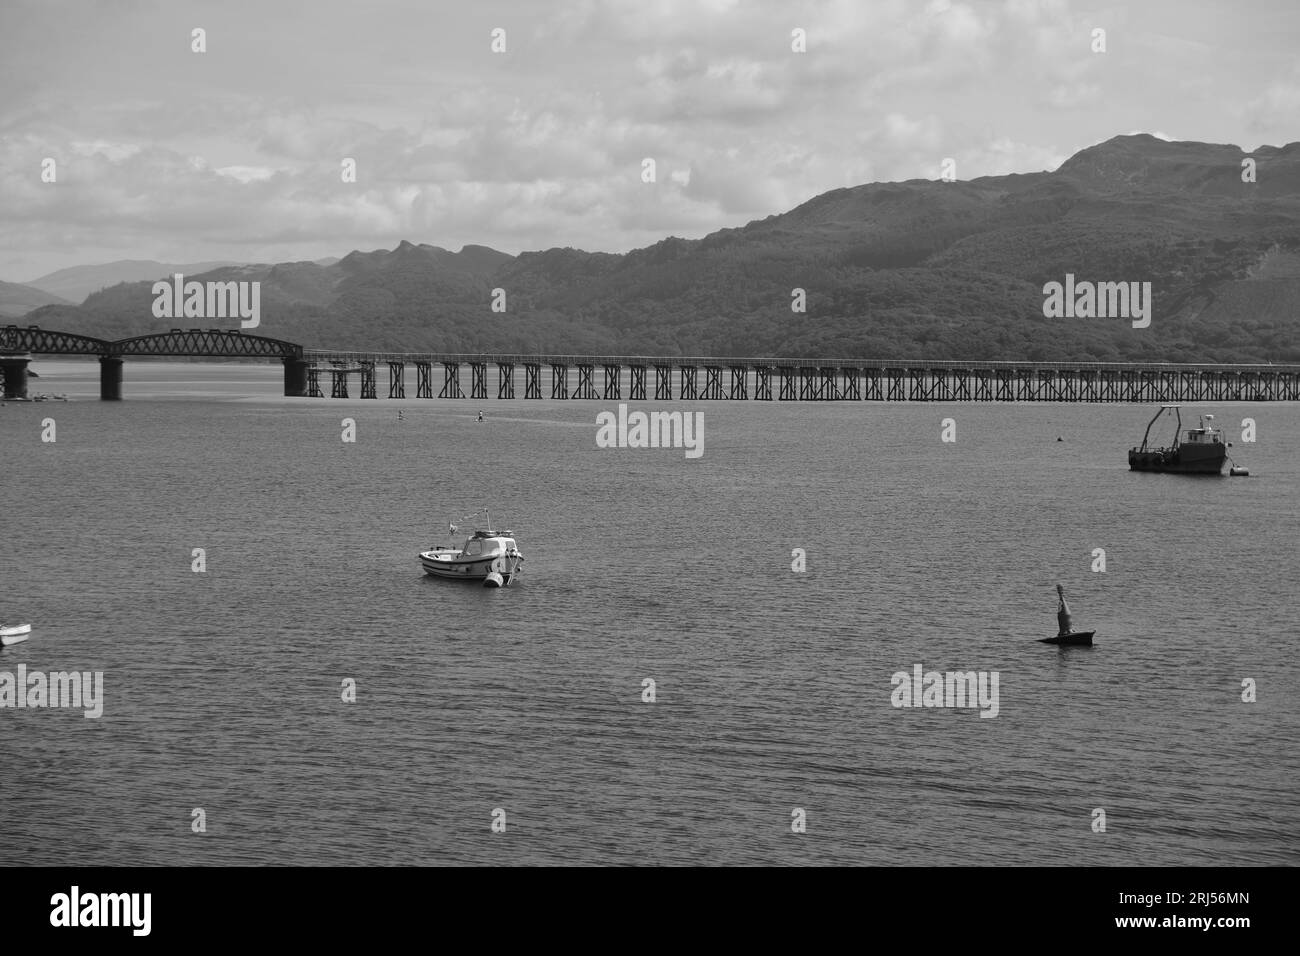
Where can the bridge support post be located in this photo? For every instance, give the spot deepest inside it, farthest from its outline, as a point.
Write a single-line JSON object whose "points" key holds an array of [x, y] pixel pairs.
{"points": [[110, 378], [690, 391], [14, 368], [368, 380], [613, 382], [532, 380], [663, 383], [295, 377]]}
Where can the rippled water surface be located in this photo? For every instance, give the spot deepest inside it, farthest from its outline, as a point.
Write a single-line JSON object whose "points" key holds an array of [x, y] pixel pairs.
{"points": [[222, 689]]}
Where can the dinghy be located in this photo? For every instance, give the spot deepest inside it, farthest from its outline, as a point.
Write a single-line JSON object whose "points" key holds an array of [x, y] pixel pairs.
{"points": [[14, 635], [1067, 636]]}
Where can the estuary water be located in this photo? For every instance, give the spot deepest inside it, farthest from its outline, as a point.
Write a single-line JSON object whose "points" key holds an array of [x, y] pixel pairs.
{"points": [[223, 690]]}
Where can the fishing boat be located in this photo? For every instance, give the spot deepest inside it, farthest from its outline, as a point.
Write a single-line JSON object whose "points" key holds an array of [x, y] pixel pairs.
{"points": [[1201, 451], [15, 634], [486, 555], [1067, 635]]}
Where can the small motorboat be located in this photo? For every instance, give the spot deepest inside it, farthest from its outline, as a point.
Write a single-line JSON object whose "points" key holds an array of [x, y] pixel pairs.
{"points": [[14, 635], [1067, 635], [486, 555]]}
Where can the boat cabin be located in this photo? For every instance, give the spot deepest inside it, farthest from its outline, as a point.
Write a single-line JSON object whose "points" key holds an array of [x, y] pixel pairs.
{"points": [[1207, 434], [488, 543]]}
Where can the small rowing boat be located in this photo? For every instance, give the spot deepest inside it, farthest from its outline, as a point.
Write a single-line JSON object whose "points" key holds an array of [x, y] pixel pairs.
{"points": [[14, 635]]}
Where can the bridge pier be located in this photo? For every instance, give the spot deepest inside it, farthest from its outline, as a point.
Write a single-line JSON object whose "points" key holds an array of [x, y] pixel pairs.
{"points": [[690, 390], [110, 378], [739, 382], [424, 380], [713, 382], [295, 377], [14, 370], [787, 374], [451, 381], [559, 381], [663, 383]]}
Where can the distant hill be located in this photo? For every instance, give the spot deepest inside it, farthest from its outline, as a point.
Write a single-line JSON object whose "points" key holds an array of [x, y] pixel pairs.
{"points": [[17, 299], [918, 269], [77, 282]]}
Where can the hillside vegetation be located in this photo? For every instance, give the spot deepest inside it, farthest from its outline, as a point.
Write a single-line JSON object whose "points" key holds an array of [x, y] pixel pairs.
{"points": [[891, 270]]}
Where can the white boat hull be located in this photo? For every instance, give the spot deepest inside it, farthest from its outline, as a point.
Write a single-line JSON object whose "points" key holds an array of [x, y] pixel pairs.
{"points": [[8, 639], [445, 564]]}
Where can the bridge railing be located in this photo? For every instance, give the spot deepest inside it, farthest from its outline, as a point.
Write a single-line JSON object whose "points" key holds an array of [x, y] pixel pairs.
{"points": [[521, 358]]}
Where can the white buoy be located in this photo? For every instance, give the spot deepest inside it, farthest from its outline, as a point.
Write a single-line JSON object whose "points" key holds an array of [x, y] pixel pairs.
{"points": [[1239, 471], [493, 580]]}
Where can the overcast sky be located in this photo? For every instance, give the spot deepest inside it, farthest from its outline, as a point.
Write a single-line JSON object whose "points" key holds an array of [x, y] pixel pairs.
{"points": [[235, 153]]}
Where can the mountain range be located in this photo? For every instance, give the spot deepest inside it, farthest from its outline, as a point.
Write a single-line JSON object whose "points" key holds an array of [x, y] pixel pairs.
{"points": [[916, 269]]}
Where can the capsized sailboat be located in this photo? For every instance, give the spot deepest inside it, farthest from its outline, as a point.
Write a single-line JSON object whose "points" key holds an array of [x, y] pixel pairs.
{"points": [[1067, 635]]}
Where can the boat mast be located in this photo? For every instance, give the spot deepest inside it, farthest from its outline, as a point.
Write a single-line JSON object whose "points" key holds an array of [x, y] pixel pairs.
{"points": [[1147, 434]]}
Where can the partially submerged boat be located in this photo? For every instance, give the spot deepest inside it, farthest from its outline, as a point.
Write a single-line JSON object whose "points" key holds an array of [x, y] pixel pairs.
{"points": [[1201, 451], [1067, 635], [486, 555]]}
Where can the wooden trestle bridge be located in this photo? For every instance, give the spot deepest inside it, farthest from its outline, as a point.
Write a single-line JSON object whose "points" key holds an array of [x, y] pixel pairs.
{"points": [[643, 378]]}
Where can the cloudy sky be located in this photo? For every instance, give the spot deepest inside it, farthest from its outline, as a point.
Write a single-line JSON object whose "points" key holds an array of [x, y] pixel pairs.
{"points": [[235, 153]]}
